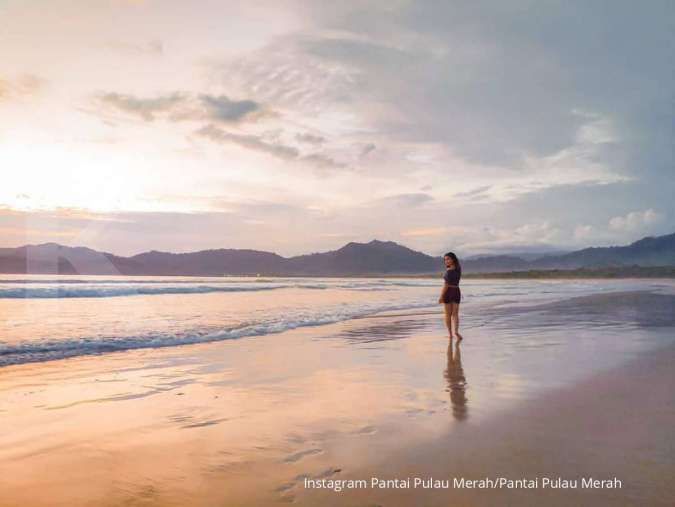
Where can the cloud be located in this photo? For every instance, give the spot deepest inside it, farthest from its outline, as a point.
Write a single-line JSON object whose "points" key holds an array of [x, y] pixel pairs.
{"points": [[342, 235], [181, 106], [367, 149], [151, 47], [251, 142], [635, 220], [492, 84], [582, 162], [491, 121], [406, 200], [426, 231], [529, 236], [145, 108], [319, 161], [286, 74], [22, 86], [222, 108], [583, 232], [310, 138], [539, 231], [477, 192]]}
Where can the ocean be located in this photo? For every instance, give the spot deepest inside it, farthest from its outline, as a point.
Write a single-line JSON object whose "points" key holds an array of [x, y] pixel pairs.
{"points": [[45, 318]]}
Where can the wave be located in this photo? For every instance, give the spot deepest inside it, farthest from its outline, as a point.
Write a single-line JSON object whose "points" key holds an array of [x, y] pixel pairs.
{"points": [[103, 292], [49, 349], [87, 289], [215, 280]]}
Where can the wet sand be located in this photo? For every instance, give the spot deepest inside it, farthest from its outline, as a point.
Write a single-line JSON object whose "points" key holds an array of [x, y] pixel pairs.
{"points": [[615, 427], [245, 422]]}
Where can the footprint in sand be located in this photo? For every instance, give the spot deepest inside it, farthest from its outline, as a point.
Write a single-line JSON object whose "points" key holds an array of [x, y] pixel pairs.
{"points": [[299, 455], [327, 473], [179, 418], [205, 423], [287, 498], [413, 411], [286, 487], [366, 430], [294, 437]]}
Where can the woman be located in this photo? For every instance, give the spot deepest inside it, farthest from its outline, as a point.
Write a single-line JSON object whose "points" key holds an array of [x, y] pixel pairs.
{"points": [[451, 295]]}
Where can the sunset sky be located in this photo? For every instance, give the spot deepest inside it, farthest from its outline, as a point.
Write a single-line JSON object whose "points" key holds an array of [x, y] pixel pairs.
{"points": [[295, 126]]}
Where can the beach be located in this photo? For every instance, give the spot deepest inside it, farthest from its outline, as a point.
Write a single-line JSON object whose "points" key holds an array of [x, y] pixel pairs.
{"points": [[236, 236], [558, 391]]}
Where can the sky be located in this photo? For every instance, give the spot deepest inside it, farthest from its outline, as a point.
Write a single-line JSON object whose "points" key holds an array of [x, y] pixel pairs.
{"points": [[298, 126]]}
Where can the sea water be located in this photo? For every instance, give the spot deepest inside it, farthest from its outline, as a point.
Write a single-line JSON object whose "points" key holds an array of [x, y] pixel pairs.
{"points": [[45, 318]]}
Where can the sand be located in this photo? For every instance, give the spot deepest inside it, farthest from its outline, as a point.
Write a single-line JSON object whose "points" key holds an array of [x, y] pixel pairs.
{"points": [[246, 422]]}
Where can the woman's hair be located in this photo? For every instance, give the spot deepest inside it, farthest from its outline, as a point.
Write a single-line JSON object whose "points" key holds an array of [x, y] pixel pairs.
{"points": [[454, 258]]}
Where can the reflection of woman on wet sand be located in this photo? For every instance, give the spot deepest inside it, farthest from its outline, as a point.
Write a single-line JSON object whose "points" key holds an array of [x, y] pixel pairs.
{"points": [[451, 295], [454, 374]]}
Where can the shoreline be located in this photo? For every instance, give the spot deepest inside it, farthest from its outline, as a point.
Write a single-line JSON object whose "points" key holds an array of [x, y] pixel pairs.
{"points": [[646, 305], [604, 273]]}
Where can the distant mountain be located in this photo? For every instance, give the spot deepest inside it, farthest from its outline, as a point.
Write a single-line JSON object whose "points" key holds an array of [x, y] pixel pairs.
{"points": [[526, 256], [381, 257], [375, 258], [649, 251], [50, 258], [207, 262]]}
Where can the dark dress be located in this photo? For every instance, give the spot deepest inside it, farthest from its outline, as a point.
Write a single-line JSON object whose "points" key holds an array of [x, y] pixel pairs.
{"points": [[452, 294]]}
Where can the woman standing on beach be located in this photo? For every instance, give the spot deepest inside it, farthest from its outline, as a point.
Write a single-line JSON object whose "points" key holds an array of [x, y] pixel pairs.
{"points": [[451, 295]]}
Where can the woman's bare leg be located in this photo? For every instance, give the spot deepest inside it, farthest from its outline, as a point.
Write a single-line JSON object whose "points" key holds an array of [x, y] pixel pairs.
{"points": [[455, 321], [447, 307]]}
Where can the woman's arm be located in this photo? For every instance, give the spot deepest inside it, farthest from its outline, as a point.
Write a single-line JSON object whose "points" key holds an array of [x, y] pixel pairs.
{"points": [[443, 292]]}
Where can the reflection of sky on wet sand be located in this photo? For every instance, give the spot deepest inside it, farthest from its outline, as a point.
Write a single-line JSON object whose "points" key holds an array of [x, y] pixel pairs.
{"points": [[165, 424], [243, 420]]}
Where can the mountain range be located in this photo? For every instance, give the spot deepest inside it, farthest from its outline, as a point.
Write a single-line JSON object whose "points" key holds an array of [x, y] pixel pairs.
{"points": [[373, 258]]}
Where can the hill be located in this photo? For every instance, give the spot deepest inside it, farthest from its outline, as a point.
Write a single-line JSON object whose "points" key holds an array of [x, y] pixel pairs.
{"points": [[357, 259]]}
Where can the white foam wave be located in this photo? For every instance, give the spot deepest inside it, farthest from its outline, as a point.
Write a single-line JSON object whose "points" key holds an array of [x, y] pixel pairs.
{"points": [[51, 292], [48, 350], [39, 289]]}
